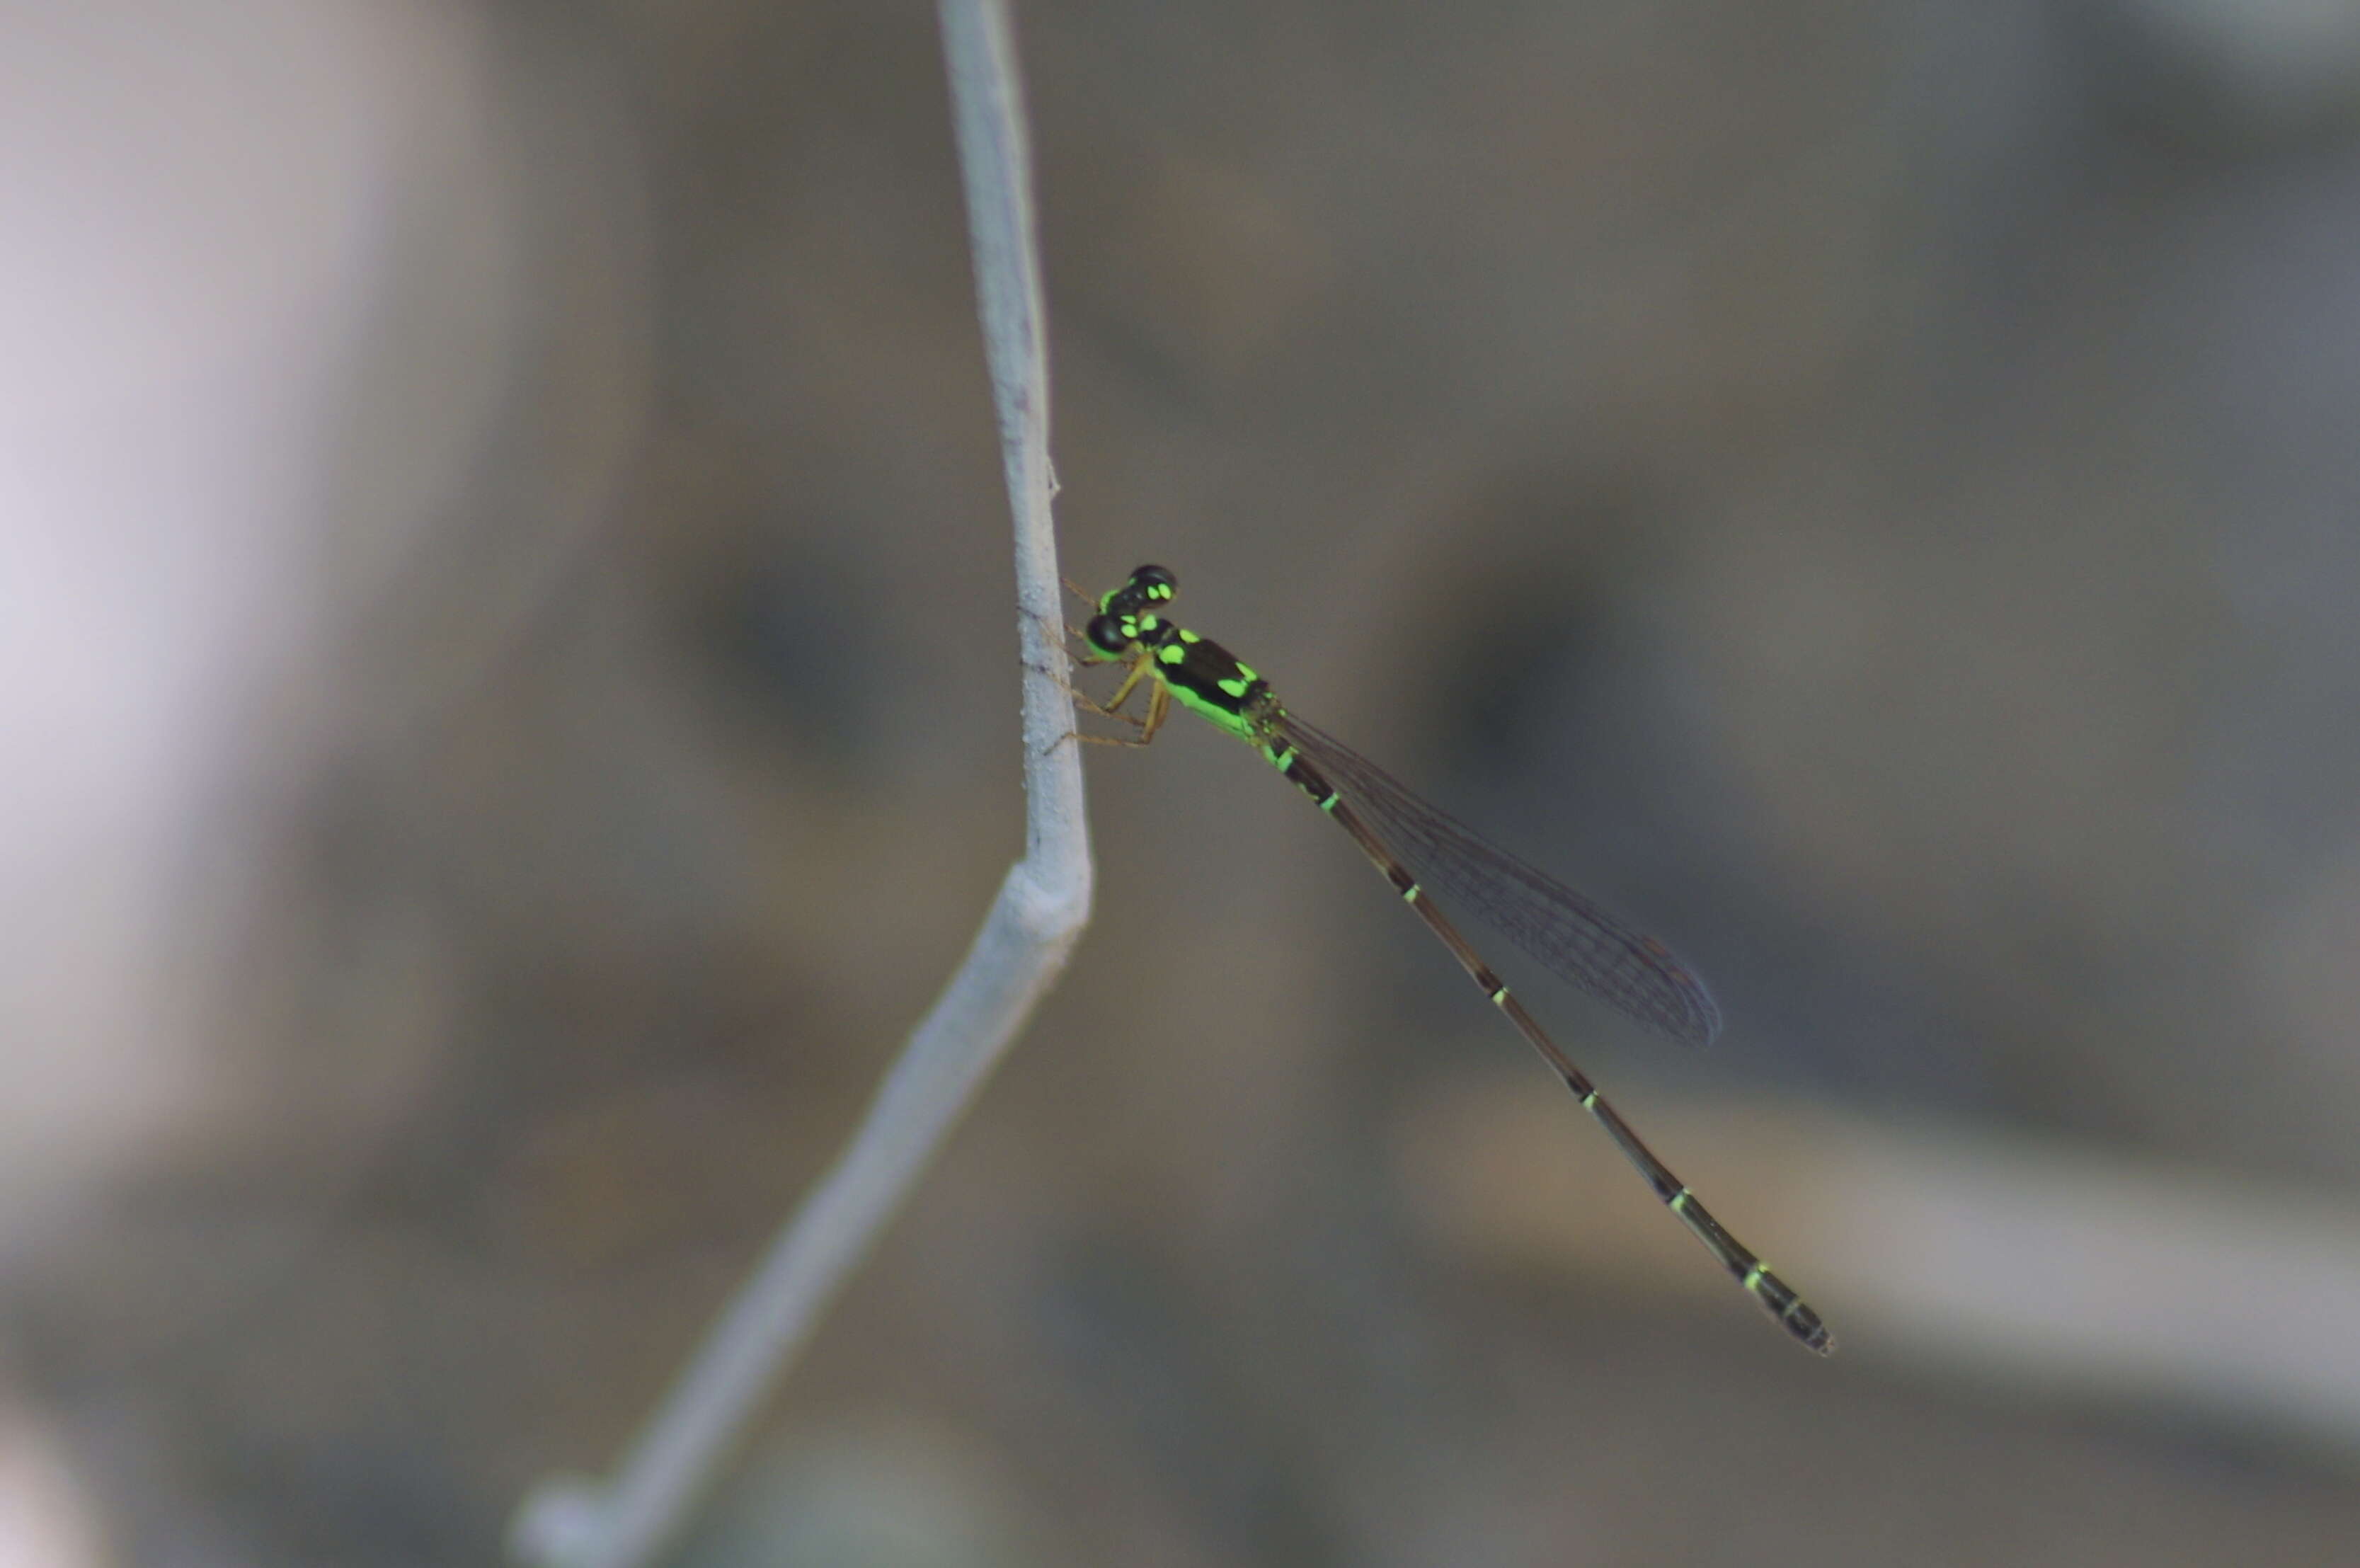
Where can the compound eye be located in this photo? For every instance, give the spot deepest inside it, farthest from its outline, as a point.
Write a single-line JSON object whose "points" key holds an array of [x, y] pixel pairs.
{"points": [[1155, 583], [1105, 633]]}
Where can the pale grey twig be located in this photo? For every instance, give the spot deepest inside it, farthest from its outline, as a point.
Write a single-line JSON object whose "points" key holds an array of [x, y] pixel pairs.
{"points": [[1025, 940]]}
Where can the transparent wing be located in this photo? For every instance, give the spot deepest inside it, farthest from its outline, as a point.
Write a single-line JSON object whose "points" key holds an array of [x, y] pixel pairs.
{"points": [[1577, 941]]}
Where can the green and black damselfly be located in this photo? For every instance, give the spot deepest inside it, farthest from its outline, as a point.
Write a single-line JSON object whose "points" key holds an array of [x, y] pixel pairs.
{"points": [[1416, 847]]}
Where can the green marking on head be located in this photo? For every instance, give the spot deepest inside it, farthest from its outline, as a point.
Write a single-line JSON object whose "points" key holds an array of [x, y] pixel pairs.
{"points": [[1233, 688], [1188, 636]]}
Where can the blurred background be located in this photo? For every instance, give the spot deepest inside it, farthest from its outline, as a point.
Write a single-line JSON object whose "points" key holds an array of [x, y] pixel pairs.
{"points": [[509, 686]]}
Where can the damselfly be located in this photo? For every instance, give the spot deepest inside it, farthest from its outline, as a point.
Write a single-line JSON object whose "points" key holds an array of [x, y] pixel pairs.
{"points": [[1417, 847]]}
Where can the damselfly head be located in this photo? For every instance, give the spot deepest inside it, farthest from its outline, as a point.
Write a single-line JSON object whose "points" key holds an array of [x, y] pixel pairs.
{"points": [[1127, 611], [1144, 590]]}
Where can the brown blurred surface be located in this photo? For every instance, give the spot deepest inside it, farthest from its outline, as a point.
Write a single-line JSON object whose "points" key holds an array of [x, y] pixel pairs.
{"points": [[1866, 489]]}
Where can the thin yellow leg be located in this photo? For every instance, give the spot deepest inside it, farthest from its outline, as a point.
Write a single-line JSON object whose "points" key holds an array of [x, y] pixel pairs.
{"points": [[1113, 707], [1159, 705]]}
